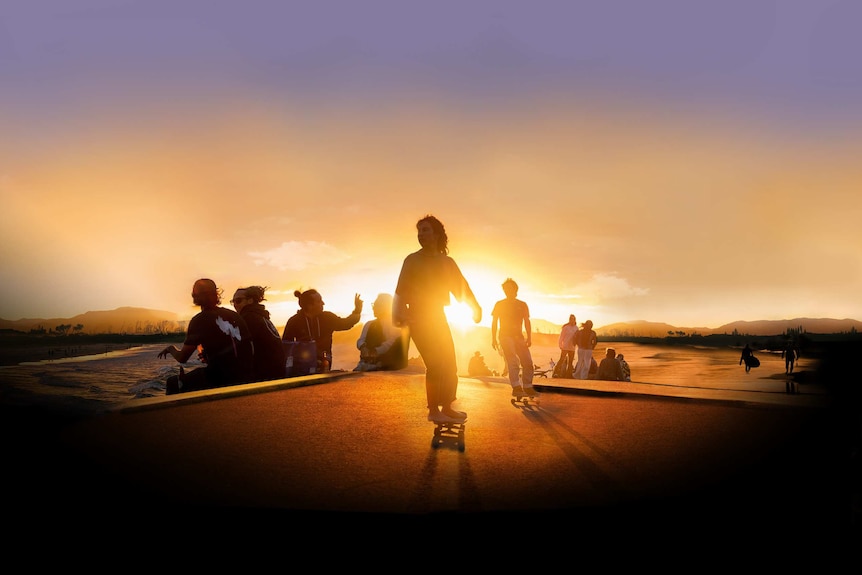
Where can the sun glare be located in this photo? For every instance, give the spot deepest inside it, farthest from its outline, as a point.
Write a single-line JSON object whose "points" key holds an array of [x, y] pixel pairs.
{"points": [[461, 315]]}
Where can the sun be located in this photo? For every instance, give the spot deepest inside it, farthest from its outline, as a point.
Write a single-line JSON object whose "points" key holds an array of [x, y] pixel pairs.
{"points": [[488, 291], [461, 315]]}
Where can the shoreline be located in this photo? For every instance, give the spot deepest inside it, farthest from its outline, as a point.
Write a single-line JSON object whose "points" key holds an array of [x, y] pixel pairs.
{"points": [[15, 355]]}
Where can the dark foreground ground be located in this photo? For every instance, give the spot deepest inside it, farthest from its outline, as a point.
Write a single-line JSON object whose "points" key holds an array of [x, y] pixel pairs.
{"points": [[351, 458]]}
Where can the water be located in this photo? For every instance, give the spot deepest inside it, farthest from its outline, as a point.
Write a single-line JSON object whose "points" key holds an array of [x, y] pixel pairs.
{"points": [[96, 383]]}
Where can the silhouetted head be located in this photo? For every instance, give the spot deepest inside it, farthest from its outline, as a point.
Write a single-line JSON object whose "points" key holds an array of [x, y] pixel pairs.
{"points": [[382, 306], [251, 294], [572, 319], [205, 293], [310, 301], [588, 324], [255, 293], [510, 288], [432, 234], [611, 352]]}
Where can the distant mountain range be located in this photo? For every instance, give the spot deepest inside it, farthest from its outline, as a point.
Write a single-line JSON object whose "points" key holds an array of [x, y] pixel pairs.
{"points": [[125, 320], [135, 320]]}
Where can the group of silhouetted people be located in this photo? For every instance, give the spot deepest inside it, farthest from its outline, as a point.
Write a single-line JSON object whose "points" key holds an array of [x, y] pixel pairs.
{"points": [[244, 346]]}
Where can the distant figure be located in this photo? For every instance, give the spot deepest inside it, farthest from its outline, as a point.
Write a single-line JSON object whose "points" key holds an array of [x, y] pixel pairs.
{"points": [[748, 358], [627, 372], [428, 277], [222, 340], [790, 354], [477, 366], [586, 342], [312, 324], [382, 346], [511, 317], [610, 369], [567, 343], [269, 355]]}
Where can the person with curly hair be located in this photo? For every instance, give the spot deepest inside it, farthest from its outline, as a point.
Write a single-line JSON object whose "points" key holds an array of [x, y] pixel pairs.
{"points": [[428, 277]]}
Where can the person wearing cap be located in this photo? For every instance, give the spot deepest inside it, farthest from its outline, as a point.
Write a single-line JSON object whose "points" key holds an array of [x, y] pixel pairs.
{"points": [[382, 346], [586, 341]]}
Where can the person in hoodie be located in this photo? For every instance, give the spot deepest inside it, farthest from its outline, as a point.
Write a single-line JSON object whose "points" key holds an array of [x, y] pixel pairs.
{"points": [[269, 354]]}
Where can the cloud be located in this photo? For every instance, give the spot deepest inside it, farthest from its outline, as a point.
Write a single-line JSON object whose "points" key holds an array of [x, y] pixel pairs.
{"points": [[296, 256], [604, 287]]}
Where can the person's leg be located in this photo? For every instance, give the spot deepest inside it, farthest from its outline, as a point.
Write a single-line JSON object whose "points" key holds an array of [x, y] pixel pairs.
{"points": [[583, 369], [511, 361], [526, 359], [433, 341]]}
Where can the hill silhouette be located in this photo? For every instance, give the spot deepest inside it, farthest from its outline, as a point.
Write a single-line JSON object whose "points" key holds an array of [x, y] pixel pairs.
{"points": [[123, 320], [136, 320]]}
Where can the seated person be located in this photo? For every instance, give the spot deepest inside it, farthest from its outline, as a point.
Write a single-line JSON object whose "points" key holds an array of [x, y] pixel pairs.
{"points": [[313, 326], [477, 366], [610, 369], [382, 346], [627, 372]]}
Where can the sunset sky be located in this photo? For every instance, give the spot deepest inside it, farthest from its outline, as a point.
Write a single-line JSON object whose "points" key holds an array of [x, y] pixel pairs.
{"points": [[687, 162]]}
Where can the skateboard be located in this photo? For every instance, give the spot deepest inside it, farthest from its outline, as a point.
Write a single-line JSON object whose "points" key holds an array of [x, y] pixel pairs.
{"points": [[526, 398], [449, 433]]}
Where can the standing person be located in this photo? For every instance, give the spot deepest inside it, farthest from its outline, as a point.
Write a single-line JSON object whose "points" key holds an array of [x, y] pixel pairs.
{"points": [[512, 317], [586, 342], [790, 355], [223, 341], [746, 356], [428, 276], [269, 355], [382, 346], [311, 324], [566, 363]]}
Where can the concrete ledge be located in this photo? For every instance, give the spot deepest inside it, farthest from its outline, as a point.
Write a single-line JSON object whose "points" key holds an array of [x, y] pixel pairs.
{"points": [[149, 403]]}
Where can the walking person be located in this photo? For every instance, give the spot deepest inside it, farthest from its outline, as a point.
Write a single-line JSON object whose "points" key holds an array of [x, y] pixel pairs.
{"points": [[269, 355], [586, 342], [428, 277], [222, 339], [748, 358], [566, 364], [790, 354], [512, 317]]}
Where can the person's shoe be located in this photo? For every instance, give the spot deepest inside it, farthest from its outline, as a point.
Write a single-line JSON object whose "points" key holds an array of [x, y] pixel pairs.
{"points": [[531, 391], [437, 417], [455, 415], [517, 391]]}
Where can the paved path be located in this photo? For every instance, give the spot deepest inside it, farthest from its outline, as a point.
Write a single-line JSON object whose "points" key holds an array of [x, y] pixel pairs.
{"points": [[356, 446]]}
